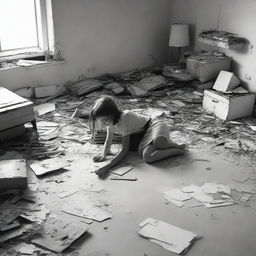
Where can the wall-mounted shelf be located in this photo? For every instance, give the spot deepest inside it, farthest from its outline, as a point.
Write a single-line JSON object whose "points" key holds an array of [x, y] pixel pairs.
{"points": [[222, 39]]}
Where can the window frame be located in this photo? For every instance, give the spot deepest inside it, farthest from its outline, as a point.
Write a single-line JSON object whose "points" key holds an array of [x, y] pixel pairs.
{"points": [[45, 34]]}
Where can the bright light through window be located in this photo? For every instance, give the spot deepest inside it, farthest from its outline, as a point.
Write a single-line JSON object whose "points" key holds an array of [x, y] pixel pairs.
{"points": [[18, 26]]}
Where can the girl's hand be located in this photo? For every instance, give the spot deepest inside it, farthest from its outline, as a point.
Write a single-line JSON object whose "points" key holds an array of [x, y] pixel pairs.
{"points": [[99, 158], [101, 171]]}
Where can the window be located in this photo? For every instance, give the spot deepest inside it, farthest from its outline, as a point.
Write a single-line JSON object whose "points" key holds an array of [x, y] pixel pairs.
{"points": [[26, 27]]}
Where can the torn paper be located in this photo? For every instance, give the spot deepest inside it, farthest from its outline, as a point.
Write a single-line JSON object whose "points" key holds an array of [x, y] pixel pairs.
{"points": [[170, 237]]}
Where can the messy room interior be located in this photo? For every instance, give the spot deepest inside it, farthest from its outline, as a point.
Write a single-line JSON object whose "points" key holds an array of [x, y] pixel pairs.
{"points": [[127, 128]]}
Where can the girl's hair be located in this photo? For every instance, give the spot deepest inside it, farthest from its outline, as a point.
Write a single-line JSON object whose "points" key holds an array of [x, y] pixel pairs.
{"points": [[104, 106]]}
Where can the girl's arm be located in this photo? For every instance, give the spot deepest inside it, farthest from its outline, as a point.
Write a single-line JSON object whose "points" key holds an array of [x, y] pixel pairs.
{"points": [[124, 151], [107, 145]]}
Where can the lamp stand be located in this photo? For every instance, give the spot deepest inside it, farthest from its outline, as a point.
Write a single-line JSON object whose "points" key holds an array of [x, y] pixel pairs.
{"points": [[178, 55]]}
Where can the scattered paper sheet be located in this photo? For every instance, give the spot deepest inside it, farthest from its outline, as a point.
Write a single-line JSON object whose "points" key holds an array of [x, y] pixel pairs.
{"points": [[170, 237], [59, 233], [209, 194], [47, 166], [122, 170], [176, 194], [80, 205]]}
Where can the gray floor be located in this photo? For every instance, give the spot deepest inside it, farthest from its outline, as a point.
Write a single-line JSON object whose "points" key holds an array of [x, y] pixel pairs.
{"points": [[225, 231]]}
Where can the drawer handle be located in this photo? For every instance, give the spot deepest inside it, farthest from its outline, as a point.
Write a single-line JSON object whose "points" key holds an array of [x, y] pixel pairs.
{"points": [[215, 101]]}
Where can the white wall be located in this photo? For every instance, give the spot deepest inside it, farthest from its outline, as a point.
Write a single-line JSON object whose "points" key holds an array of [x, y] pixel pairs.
{"points": [[236, 16], [99, 36]]}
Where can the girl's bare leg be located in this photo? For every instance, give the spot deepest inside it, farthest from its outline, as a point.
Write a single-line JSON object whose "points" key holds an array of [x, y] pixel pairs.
{"points": [[151, 154], [164, 143]]}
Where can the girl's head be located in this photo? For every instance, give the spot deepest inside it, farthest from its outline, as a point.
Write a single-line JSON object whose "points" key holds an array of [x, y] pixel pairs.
{"points": [[105, 111]]}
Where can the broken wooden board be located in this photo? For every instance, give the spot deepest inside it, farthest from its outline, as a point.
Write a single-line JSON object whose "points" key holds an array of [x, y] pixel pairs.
{"points": [[59, 233], [170, 237], [13, 174], [47, 166]]}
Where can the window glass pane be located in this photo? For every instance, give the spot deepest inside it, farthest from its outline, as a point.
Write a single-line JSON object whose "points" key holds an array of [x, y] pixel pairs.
{"points": [[17, 24]]}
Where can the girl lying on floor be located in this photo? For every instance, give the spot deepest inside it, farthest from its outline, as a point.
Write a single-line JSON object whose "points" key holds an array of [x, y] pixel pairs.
{"points": [[139, 133]]}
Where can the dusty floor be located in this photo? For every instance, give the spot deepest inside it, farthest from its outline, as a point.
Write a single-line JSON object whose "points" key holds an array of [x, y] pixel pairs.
{"points": [[219, 152]]}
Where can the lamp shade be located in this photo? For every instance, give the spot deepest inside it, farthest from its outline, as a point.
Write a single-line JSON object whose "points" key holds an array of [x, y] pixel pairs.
{"points": [[179, 36]]}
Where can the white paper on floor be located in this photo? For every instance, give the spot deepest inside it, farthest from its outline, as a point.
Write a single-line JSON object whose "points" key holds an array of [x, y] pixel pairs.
{"points": [[80, 205], [176, 195], [47, 166], [170, 237], [210, 194], [122, 170]]}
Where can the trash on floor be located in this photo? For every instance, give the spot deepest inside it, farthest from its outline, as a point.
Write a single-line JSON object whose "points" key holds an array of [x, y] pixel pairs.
{"points": [[210, 194], [170, 237]]}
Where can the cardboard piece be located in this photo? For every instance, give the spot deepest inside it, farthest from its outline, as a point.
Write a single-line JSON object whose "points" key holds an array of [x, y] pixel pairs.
{"points": [[226, 81], [170, 237], [59, 233], [13, 174]]}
